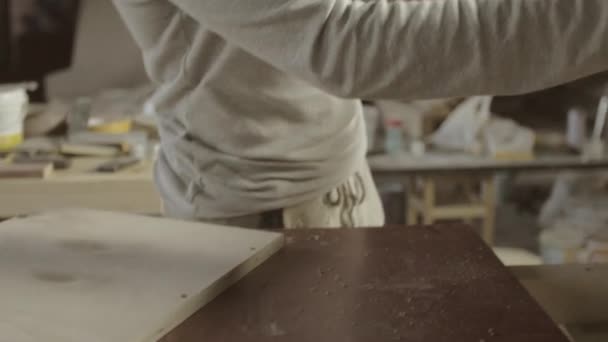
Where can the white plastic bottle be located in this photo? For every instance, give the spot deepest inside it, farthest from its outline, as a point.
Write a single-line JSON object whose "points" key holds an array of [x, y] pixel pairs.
{"points": [[393, 143]]}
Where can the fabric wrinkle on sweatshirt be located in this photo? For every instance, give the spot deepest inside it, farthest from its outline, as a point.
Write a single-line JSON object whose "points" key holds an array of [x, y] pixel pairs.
{"points": [[257, 100]]}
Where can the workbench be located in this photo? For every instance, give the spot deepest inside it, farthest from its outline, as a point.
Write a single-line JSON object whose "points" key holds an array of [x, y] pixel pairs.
{"points": [[419, 175], [133, 190], [129, 190], [398, 167], [438, 284]]}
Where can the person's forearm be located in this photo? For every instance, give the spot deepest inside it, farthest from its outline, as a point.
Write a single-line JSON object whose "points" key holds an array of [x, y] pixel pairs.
{"points": [[417, 49]]}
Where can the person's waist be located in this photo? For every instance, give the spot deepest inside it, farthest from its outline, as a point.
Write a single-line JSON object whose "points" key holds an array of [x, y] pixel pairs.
{"points": [[231, 188]]}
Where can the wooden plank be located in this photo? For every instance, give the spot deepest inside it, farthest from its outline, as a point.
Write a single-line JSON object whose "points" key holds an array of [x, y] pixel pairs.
{"points": [[39, 170], [131, 190], [440, 284], [89, 150], [122, 193], [123, 141], [59, 162], [447, 212], [101, 277]]}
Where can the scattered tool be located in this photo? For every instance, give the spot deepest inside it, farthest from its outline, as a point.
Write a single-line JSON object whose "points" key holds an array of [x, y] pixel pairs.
{"points": [[117, 164]]}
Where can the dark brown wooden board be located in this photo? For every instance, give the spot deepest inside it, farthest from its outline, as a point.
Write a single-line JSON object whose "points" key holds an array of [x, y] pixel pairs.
{"points": [[439, 284]]}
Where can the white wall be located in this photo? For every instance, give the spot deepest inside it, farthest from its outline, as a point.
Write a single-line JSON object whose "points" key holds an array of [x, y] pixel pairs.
{"points": [[105, 55]]}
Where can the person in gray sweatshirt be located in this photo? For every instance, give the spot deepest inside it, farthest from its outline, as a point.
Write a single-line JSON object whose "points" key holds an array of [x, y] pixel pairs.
{"points": [[258, 100]]}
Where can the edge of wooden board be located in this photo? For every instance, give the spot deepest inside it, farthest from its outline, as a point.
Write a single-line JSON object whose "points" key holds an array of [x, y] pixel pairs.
{"points": [[197, 302]]}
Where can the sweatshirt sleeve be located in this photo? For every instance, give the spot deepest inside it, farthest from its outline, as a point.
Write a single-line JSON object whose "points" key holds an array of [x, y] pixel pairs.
{"points": [[417, 49]]}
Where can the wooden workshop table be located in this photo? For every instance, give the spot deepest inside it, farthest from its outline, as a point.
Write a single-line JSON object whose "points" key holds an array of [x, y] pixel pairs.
{"points": [[439, 284], [398, 167], [130, 190], [419, 175]]}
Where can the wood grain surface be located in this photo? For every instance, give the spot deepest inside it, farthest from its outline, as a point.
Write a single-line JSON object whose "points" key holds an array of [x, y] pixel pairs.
{"points": [[439, 284]]}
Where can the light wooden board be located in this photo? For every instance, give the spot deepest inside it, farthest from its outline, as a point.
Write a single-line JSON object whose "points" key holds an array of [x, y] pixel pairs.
{"points": [[104, 277]]}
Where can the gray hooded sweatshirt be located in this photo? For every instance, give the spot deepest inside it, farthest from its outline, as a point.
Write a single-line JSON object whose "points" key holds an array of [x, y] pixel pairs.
{"points": [[256, 99]]}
